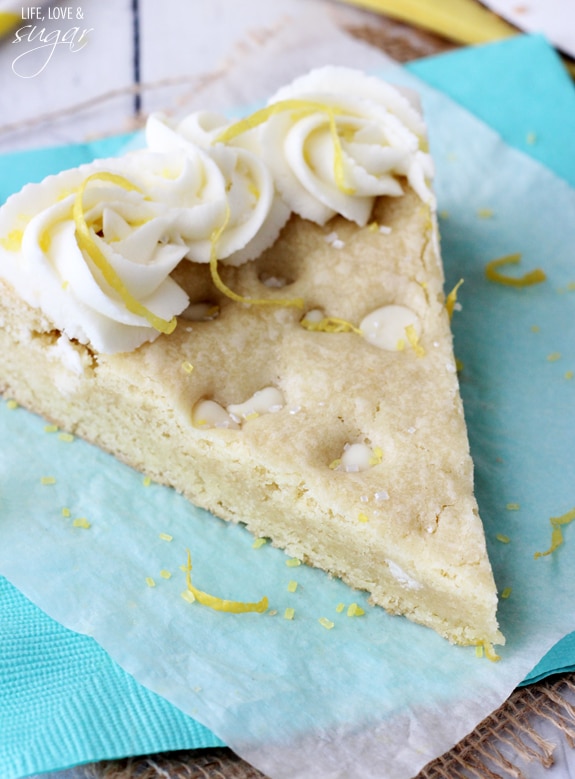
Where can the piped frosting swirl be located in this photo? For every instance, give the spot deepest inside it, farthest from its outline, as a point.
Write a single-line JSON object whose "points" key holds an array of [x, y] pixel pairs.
{"points": [[94, 247]]}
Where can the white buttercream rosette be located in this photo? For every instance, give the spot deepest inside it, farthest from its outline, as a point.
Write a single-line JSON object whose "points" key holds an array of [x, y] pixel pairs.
{"points": [[135, 232], [239, 190], [336, 139]]}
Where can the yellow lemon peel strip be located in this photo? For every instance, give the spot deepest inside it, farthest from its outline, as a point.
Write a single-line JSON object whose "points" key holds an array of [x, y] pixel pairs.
{"points": [[87, 244], [301, 108], [492, 272], [221, 604], [556, 533], [338, 162], [330, 324], [451, 299], [225, 290], [490, 653]]}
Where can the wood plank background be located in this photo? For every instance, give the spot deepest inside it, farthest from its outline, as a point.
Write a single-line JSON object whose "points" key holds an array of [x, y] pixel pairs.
{"points": [[126, 41]]}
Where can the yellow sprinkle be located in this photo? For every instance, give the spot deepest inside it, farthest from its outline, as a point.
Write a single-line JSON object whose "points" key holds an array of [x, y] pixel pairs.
{"points": [[554, 356], [354, 610], [259, 542], [11, 404], [479, 650], [400, 345], [451, 299], [289, 613], [335, 464], [292, 586], [253, 415], [166, 537], [221, 604], [568, 374], [535, 329], [165, 574], [48, 480], [492, 272], [506, 593], [187, 596], [459, 365], [66, 512], [502, 538], [413, 339], [556, 533], [376, 456], [293, 562], [340, 607], [13, 241], [362, 517], [187, 367], [81, 522], [50, 428], [512, 507], [326, 623], [146, 481], [67, 437], [485, 213], [150, 582], [65, 285]]}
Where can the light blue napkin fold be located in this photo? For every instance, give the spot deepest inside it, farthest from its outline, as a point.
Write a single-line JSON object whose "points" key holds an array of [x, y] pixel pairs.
{"points": [[520, 88], [64, 701], [103, 712]]}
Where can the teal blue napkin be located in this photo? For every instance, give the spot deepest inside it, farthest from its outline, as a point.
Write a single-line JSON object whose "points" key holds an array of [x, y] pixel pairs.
{"points": [[86, 708], [518, 87], [521, 89], [63, 701]]}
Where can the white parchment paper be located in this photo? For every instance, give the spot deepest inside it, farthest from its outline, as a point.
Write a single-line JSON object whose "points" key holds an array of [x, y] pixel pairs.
{"points": [[369, 697]]}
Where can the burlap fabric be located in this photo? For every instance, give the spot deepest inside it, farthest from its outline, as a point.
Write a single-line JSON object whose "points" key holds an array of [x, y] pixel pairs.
{"points": [[501, 747]]}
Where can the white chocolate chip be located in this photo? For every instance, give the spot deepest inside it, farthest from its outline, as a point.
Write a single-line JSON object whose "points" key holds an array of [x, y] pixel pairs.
{"points": [[208, 413], [402, 577], [201, 312], [386, 326], [264, 401], [274, 282]]}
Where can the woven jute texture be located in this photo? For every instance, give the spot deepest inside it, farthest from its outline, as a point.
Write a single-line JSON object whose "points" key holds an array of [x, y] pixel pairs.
{"points": [[501, 747]]}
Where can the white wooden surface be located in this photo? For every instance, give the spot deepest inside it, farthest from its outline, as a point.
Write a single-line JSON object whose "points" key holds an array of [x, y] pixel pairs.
{"points": [[85, 79]]}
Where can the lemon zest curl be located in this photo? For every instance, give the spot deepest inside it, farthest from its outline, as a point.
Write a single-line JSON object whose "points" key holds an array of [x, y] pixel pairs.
{"points": [[492, 272], [88, 244], [221, 604]]}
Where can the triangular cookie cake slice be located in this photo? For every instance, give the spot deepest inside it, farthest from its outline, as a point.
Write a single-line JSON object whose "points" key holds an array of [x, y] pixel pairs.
{"points": [[253, 313]]}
